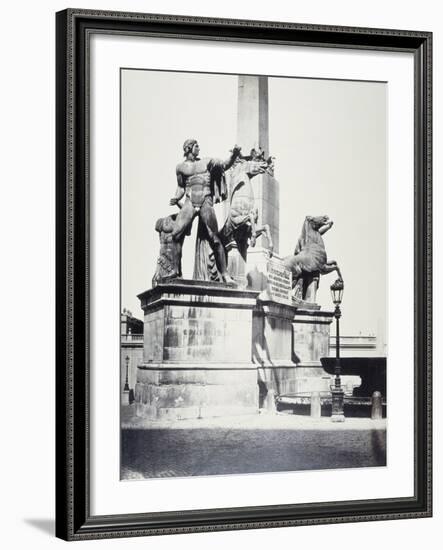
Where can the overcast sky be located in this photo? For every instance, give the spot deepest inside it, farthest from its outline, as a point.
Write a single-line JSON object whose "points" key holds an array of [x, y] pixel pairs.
{"points": [[329, 139]]}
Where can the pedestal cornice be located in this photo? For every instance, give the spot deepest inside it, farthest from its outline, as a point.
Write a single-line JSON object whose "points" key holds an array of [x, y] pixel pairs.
{"points": [[201, 293]]}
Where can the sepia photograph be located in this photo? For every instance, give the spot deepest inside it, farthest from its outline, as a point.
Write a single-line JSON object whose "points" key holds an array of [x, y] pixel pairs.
{"points": [[253, 274]]}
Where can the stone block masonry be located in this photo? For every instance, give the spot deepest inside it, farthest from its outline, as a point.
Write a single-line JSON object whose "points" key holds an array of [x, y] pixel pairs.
{"points": [[197, 352]]}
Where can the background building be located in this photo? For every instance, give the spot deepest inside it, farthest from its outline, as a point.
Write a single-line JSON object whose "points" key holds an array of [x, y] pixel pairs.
{"points": [[131, 347]]}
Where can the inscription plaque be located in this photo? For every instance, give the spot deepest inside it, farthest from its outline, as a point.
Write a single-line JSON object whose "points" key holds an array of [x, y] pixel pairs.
{"points": [[279, 283]]}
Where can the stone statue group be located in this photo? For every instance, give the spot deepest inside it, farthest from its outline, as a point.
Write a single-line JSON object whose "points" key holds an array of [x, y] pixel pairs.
{"points": [[201, 183]]}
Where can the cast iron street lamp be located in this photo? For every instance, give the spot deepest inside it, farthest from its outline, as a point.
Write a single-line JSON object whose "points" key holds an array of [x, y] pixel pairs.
{"points": [[336, 390], [126, 388]]}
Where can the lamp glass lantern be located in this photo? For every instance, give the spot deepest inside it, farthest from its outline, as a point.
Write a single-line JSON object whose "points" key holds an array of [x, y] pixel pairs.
{"points": [[337, 291]]}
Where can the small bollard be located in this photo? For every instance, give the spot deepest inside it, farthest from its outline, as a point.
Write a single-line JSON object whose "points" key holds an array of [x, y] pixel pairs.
{"points": [[269, 403], [315, 405], [376, 410]]}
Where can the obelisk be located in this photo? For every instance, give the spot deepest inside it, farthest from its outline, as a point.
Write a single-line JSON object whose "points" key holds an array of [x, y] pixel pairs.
{"points": [[253, 132]]}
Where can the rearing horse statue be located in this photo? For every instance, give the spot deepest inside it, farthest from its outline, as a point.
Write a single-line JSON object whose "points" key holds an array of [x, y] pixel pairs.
{"points": [[309, 260], [241, 222], [240, 229]]}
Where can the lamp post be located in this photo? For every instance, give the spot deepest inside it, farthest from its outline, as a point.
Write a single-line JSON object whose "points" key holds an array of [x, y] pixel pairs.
{"points": [[126, 388], [336, 390]]}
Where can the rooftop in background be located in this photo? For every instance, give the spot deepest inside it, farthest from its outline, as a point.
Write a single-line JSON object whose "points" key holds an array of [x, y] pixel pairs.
{"points": [[358, 346], [130, 327]]}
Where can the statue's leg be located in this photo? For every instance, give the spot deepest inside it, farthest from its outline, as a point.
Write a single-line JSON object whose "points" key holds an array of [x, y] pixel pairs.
{"points": [[183, 221], [207, 215], [182, 226], [178, 257]]}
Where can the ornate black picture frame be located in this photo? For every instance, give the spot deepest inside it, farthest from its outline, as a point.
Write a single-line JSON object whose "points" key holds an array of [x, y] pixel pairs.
{"points": [[73, 518]]}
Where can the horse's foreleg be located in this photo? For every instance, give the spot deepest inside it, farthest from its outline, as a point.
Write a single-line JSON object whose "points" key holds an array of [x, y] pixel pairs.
{"points": [[254, 233], [331, 266], [339, 272], [267, 231]]}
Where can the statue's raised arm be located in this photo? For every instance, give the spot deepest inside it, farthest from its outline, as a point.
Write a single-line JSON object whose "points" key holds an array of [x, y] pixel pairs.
{"points": [[235, 153]]}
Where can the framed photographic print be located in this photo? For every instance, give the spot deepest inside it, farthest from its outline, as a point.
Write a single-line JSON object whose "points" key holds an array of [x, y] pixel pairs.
{"points": [[243, 274]]}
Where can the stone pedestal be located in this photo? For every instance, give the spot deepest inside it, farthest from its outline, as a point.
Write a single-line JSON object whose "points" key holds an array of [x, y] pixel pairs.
{"points": [[310, 343], [236, 265], [271, 348], [287, 347], [197, 352], [256, 268], [289, 337]]}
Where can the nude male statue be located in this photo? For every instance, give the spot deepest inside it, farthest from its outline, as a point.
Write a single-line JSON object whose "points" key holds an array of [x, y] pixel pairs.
{"points": [[202, 182]]}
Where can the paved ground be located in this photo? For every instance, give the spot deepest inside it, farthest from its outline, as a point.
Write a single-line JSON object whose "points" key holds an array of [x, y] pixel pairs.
{"points": [[247, 444]]}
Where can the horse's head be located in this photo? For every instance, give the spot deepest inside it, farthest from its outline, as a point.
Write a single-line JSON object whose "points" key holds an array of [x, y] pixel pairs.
{"points": [[311, 229], [316, 222]]}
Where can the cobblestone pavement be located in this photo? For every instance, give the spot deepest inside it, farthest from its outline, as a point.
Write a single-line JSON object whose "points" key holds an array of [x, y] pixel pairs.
{"points": [[252, 444]]}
